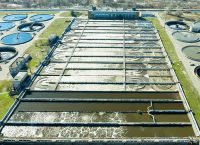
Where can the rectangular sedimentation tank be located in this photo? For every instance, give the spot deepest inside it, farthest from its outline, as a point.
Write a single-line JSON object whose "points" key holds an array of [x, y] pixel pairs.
{"points": [[105, 82]]}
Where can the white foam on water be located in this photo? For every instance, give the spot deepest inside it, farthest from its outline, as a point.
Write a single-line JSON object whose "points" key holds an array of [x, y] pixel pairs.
{"points": [[64, 132], [51, 117]]}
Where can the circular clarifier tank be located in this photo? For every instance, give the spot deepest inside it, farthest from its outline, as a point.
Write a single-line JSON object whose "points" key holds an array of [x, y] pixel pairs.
{"points": [[31, 27], [196, 27], [197, 71], [185, 36], [4, 26], [177, 25], [192, 52], [17, 38], [15, 17], [7, 53], [41, 17]]}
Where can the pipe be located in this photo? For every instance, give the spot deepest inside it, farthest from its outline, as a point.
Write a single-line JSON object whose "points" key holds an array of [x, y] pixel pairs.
{"points": [[106, 124], [101, 100]]}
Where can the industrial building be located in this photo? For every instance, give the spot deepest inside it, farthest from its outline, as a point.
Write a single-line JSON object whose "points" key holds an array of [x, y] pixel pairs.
{"points": [[104, 82]]}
